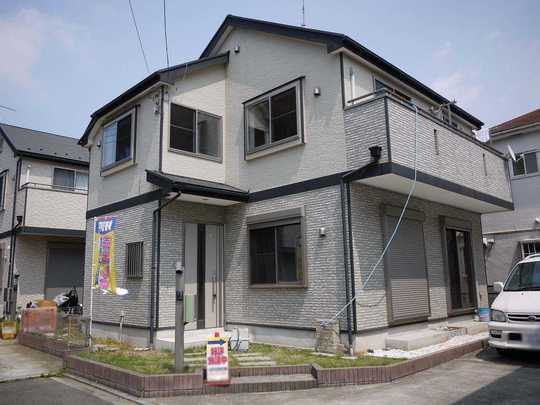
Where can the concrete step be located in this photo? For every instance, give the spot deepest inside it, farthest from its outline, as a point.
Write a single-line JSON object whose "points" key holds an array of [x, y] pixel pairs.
{"points": [[471, 327], [253, 354], [253, 359], [416, 339], [258, 363], [265, 384]]}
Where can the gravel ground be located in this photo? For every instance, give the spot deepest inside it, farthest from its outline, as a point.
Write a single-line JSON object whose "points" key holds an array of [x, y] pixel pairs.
{"points": [[453, 342]]}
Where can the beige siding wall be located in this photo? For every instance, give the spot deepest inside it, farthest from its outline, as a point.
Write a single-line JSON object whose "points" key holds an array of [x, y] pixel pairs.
{"points": [[130, 181], [7, 162], [54, 209], [42, 172], [203, 90], [266, 61]]}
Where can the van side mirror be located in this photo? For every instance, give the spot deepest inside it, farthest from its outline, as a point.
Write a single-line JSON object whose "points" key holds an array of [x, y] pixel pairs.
{"points": [[498, 286]]}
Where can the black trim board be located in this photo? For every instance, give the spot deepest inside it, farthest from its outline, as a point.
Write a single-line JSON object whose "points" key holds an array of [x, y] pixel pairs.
{"points": [[299, 187], [127, 203], [50, 158], [31, 230], [403, 171]]}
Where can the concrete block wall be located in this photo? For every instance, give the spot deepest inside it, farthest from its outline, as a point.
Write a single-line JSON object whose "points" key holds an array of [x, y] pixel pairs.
{"points": [[294, 307], [134, 225], [368, 244], [173, 218]]}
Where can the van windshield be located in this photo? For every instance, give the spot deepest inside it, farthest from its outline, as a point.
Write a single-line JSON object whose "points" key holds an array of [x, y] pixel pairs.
{"points": [[526, 277]]}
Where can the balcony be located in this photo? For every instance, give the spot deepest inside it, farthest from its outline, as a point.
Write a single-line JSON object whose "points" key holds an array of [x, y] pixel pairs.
{"points": [[52, 209], [453, 167]]}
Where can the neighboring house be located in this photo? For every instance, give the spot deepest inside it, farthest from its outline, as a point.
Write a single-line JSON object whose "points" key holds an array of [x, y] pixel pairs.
{"points": [[245, 148], [512, 236], [43, 193]]}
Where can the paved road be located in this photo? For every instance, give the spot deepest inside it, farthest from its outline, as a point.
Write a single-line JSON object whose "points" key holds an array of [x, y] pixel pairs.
{"points": [[478, 378]]}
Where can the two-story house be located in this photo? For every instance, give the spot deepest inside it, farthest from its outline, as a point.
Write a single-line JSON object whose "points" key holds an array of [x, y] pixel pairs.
{"points": [[272, 170], [43, 188], [514, 235]]}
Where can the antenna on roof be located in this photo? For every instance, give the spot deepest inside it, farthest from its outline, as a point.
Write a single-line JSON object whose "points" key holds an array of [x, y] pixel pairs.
{"points": [[303, 14]]}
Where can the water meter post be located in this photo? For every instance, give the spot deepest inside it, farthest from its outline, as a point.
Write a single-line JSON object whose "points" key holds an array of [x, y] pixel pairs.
{"points": [[179, 323]]}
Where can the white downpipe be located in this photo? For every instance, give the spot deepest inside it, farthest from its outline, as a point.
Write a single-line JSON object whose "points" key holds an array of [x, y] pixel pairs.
{"points": [[400, 219]]}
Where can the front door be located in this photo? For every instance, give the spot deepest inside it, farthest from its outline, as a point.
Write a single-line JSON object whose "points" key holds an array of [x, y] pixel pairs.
{"points": [[203, 247], [460, 269]]}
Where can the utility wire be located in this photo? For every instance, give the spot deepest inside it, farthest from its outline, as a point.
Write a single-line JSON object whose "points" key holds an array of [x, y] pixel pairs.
{"points": [[8, 108], [165, 28], [139, 36]]}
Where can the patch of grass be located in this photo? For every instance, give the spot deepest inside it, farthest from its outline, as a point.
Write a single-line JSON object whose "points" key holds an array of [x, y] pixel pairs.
{"points": [[292, 356]]}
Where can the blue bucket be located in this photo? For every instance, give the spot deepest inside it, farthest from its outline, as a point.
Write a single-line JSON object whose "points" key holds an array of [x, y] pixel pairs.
{"points": [[483, 313]]}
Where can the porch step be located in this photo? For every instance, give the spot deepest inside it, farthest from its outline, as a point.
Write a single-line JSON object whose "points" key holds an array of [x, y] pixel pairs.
{"points": [[416, 339], [253, 359], [265, 384], [258, 363]]}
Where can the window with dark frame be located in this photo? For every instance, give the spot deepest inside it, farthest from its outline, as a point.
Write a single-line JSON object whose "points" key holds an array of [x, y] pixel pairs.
{"points": [[134, 260], [276, 253], [117, 141], [530, 248], [525, 163], [195, 131], [3, 177], [273, 118], [70, 179]]}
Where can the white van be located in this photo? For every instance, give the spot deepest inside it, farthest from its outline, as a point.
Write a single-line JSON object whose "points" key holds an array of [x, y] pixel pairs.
{"points": [[515, 313]]}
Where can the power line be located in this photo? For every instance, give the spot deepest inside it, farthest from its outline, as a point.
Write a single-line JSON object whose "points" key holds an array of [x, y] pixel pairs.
{"points": [[303, 14], [138, 36], [165, 28], [8, 108]]}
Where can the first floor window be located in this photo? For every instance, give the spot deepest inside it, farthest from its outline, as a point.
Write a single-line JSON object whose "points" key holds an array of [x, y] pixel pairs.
{"points": [[195, 131], [117, 144], [525, 163], [134, 259], [530, 248], [273, 118], [3, 177], [70, 179], [276, 253]]}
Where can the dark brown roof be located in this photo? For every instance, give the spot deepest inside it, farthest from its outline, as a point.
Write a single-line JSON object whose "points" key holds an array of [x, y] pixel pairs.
{"points": [[532, 117]]}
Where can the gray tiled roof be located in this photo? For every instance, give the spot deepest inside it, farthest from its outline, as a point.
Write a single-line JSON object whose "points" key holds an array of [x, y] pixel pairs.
{"points": [[43, 144]]}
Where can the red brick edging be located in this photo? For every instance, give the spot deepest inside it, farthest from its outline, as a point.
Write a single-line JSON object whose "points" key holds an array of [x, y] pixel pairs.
{"points": [[143, 385], [55, 347]]}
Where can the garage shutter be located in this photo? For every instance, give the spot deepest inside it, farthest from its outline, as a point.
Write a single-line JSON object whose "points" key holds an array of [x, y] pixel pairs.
{"points": [[65, 269], [406, 271]]}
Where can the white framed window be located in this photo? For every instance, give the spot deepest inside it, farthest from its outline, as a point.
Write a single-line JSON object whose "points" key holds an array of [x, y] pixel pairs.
{"points": [[118, 141], [274, 118], [3, 180], [70, 179], [526, 163], [196, 132], [530, 248]]}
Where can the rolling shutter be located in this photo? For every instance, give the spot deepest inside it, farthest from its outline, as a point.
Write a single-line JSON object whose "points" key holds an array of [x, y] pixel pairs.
{"points": [[406, 271]]}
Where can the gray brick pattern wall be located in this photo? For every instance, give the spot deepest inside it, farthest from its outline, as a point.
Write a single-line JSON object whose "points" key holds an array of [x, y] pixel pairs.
{"points": [[30, 263], [365, 126], [368, 245], [299, 307], [459, 160], [134, 225]]}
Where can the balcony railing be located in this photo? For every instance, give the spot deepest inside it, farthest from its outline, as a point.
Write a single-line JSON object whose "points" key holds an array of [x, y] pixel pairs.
{"points": [[48, 206], [447, 158]]}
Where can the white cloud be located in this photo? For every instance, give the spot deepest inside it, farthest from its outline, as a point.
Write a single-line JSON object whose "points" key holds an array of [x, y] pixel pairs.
{"points": [[458, 86], [24, 38]]}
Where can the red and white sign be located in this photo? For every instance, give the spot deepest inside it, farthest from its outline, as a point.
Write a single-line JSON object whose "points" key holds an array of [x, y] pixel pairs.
{"points": [[217, 360]]}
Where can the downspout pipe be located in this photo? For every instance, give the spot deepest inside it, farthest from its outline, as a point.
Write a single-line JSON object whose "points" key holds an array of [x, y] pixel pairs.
{"points": [[13, 241], [348, 253], [156, 259]]}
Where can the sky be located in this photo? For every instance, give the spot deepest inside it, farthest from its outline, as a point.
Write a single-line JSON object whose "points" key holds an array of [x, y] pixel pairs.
{"points": [[62, 60]]}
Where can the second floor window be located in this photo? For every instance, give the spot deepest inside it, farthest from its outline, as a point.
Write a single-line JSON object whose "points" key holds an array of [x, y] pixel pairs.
{"points": [[3, 177], [195, 132], [526, 163], [70, 179], [118, 140], [273, 118]]}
